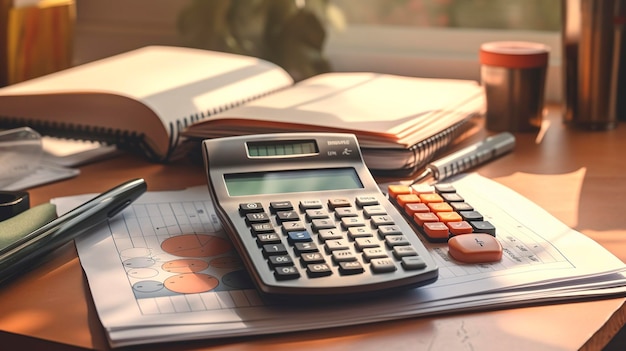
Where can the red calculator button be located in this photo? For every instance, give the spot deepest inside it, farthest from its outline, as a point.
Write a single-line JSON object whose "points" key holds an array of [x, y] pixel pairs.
{"points": [[475, 248], [436, 230], [421, 218], [414, 208], [458, 228]]}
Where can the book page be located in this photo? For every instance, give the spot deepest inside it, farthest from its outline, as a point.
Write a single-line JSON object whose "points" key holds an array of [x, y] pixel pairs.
{"points": [[383, 110], [164, 270], [155, 90]]}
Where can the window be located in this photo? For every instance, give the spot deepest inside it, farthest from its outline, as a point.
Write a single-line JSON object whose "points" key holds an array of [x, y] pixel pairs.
{"points": [[439, 38], [428, 38]]}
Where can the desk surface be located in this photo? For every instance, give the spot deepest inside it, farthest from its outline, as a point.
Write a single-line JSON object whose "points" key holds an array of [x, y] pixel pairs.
{"points": [[577, 176]]}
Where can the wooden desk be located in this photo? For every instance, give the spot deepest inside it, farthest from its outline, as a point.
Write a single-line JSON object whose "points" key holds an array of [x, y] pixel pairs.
{"points": [[577, 176]]}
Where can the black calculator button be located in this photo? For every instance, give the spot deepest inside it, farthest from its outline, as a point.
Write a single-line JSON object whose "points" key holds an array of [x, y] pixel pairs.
{"points": [[257, 217], [383, 265], [471, 216], [315, 270], [285, 216], [452, 197], [268, 238], [274, 249], [280, 260], [483, 227], [249, 207], [261, 228], [302, 248], [312, 257], [411, 263], [461, 206], [276, 206], [350, 267], [286, 273]]}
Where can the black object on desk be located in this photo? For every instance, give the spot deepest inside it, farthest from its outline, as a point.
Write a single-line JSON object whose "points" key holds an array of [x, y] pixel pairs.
{"points": [[28, 249], [13, 203]]}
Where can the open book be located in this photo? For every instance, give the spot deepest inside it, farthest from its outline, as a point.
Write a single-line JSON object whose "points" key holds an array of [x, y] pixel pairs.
{"points": [[145, 98]]}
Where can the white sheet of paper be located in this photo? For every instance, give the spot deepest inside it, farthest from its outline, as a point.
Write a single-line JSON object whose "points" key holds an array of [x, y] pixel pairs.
{"points": [[164, 270]]}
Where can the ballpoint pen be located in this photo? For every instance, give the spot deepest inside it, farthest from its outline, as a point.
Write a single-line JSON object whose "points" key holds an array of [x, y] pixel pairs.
{"points": [[468, 157], [28, 250]]}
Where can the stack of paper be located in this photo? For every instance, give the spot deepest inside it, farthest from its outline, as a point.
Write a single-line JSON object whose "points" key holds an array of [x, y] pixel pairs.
{"points": [[400, 122], [151, 283]]}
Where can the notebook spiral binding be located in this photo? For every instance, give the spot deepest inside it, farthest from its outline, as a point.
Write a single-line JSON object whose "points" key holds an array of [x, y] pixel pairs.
{"points": [[129, 141], [424, 151]]}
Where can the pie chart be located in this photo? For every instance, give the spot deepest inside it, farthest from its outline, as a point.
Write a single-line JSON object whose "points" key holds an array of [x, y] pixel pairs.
{"points": [[196, 245], [185, 266], [191, 283]]}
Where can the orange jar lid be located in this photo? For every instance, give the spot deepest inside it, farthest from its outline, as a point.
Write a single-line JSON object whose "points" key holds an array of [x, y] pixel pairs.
{"points": [[514, 54]]}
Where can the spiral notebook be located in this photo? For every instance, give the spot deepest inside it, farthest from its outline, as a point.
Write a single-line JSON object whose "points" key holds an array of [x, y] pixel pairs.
{"points": [[156, 98]]}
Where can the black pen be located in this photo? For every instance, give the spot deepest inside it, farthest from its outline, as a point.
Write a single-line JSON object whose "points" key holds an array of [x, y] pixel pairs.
{"points": [[468, 157], [27, 251]]}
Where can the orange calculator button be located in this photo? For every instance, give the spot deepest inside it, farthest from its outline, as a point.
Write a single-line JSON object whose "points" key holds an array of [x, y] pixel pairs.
{"points": [[440, 207], [475, 248], [449, 217], [396, 189], [403, 199], [430, 198]]}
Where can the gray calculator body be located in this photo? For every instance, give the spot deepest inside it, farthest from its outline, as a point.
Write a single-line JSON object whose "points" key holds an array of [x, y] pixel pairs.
{"points": [[308, 219]]}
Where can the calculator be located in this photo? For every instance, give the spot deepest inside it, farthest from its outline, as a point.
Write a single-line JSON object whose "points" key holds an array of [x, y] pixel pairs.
{"points": [[308, 219]]}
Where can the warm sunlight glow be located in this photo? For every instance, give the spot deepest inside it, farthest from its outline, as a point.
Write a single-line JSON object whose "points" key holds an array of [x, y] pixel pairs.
{"points": [[566, 187], [29, 321], [545, 125]]}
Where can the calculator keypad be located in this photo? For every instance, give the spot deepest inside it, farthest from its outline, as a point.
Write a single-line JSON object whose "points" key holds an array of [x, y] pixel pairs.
{"points": [[441, 215], [336, 236], [438, 211]]}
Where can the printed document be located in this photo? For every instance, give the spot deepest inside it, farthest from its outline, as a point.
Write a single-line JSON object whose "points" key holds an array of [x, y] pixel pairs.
{"points": [[164, 270]]}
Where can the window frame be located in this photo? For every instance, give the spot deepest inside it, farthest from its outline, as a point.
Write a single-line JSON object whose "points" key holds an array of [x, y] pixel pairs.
{"points": [[430, 52]]}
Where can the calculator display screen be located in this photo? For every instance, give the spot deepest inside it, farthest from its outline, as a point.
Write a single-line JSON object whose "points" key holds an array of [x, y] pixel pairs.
{"points": [[243, 184], [281, 148]]}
